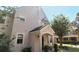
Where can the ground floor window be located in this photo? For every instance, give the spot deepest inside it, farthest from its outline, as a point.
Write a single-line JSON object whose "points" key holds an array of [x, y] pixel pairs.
{"points": [[20, 39], [73, 39], [2, 20], [65, 39]]}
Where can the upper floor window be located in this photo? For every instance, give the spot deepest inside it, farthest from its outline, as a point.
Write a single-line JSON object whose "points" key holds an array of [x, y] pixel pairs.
{"points": [[20, 39], [21, 18], [2, 20]]}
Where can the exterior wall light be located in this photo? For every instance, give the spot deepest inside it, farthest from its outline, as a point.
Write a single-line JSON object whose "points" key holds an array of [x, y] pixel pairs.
{"points": [[38, 36]]}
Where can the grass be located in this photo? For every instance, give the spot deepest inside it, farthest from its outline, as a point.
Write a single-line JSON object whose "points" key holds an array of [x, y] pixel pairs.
{"points": [[70, 49], [73, 49]]}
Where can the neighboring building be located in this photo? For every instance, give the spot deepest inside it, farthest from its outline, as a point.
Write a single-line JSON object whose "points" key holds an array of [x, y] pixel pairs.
{"points": [[29, 27], [72, 34], [6, 23]]}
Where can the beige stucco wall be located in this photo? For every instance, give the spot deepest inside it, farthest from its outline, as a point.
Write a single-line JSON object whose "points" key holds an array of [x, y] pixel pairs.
{"points": [[32, 15], [36, 42], [13, 26], [7, 26], [45, 39], [47, 29]]}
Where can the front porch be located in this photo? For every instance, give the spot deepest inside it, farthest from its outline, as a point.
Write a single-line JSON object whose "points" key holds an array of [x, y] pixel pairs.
{"points": [[42, 37], [47, 40]]}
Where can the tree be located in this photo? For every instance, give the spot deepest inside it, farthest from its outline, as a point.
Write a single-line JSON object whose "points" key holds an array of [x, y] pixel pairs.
{"points": [[4, 43], [5, 39], [76, 24], [76, 27], [60, 26], [6, 10]]}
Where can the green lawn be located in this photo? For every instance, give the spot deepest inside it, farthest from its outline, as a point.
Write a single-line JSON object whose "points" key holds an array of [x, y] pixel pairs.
{"points": [[69, 49]]}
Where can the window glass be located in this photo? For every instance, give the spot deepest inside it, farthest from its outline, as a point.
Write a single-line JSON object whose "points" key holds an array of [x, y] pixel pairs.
{"points": [[2, 20], [20, 39], [21, 18]]}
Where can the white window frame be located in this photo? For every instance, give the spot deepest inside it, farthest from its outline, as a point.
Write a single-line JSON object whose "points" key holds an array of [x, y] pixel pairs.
{"points": [[18, 18], [17, 38], [4, 21]]}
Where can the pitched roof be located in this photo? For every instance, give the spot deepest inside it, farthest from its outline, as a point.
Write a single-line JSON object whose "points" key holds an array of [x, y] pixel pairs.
{"points": [[37, 28]]}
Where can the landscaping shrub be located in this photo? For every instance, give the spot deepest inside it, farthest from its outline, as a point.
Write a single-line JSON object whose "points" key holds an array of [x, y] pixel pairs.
{"points": [[46, 48], [26, 49], [50, 48], [4, 49], [5, 43], [55, 47]]}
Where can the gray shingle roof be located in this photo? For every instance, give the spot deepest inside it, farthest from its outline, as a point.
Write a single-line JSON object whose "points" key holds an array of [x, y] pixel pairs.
{"points": [[37, 28]]}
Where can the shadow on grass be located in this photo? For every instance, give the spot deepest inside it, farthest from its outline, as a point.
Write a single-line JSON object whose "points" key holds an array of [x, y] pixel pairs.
{"points": [[69, 49]]}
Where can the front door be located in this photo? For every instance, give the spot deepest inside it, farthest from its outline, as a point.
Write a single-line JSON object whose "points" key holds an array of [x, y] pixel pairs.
{"points": [[42, 42]]}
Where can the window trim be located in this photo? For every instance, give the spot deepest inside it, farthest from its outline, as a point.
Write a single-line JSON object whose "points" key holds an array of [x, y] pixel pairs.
{"points": [[5, 17], [17, 38], [21, 17]]}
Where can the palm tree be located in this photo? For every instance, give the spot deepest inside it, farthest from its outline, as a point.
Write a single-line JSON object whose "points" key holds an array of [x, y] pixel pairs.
{"points": [[60, 25]]}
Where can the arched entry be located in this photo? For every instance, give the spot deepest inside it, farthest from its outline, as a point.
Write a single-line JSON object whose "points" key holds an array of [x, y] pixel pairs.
{"points": [[41, 37], [42, 42], [46, 40]]}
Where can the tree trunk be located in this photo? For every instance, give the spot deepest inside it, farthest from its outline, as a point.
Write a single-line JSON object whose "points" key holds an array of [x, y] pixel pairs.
{"points": [[61, 42]]}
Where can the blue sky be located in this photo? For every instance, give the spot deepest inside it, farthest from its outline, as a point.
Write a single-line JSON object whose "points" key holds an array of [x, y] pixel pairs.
{"points": [[69, 11]]}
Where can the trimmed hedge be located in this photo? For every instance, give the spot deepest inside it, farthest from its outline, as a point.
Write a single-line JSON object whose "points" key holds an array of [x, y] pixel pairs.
{"points": [[46, 48], [55, 47], [26, 49]]}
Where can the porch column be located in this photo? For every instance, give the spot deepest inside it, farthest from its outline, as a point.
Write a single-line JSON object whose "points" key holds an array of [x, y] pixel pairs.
{"points": [[40, 42], [45, 39], [53, 39]]}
